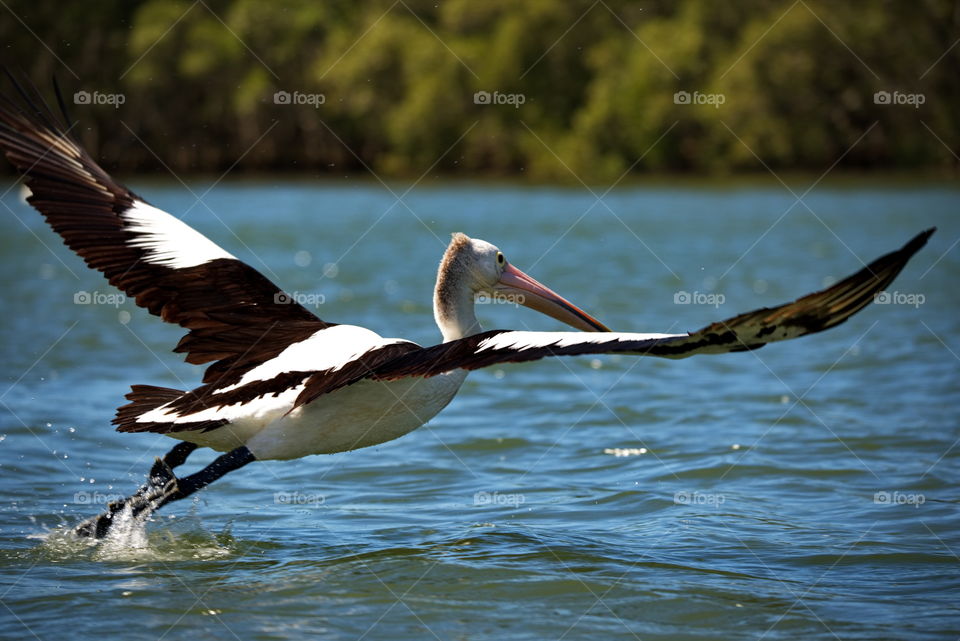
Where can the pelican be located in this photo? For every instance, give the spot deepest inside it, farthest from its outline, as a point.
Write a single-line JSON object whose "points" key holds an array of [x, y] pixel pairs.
{"points": [[281, 383]]}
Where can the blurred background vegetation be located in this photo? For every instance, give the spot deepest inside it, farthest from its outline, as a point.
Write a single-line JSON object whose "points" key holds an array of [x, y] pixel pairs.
{"points": [[597, 79]]}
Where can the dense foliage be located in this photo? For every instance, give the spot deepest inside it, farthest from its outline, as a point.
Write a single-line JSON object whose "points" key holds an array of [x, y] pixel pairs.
{"points": [[586, 88]]}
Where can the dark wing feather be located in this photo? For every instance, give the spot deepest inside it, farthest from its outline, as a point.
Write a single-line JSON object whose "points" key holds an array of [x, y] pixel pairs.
{"points": [[236, 316], [324, 382]]}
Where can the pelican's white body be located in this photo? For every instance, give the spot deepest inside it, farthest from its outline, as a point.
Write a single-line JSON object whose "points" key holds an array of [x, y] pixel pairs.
{"points": [[360, 415]]}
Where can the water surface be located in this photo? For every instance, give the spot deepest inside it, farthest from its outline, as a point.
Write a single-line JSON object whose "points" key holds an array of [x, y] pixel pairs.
{"points": [[807, 490]]}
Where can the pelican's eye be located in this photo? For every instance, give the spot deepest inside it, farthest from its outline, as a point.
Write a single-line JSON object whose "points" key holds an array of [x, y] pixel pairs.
{"points": [[500, 259]]}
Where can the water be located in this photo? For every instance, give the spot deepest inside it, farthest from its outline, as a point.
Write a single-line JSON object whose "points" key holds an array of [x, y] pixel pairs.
{"points": [[746, 507]]}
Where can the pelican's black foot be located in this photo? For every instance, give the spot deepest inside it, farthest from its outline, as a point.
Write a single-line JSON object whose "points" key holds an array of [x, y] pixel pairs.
{"points": [[160, 489], [164, 487]]}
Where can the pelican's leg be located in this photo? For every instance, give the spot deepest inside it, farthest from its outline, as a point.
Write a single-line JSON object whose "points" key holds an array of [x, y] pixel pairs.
{"points": [[162, 471], [179, 453], [223, 464], [164, 487]]}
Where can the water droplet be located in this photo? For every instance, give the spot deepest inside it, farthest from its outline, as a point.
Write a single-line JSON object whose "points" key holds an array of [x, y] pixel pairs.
{"points": [[759, 286], [596, 363], [123, 316], [302, 258], [625, 451], [330, 270]]}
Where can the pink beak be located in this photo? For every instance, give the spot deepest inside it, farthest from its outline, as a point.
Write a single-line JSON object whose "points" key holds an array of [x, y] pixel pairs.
{"points": [[525, 291]]}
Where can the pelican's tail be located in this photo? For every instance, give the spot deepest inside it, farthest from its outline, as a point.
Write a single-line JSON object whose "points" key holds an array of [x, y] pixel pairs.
{"points": [[143, 398]]}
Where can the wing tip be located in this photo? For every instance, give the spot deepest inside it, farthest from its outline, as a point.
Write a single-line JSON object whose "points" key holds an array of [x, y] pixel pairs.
{"points": [[918, 241]]}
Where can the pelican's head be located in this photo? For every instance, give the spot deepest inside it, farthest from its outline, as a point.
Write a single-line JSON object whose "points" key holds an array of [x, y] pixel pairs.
{"points": [[472, 267]]}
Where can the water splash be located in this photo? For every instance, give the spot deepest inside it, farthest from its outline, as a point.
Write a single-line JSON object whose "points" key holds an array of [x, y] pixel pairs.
{"points": [[130, 539], [127, 537]]}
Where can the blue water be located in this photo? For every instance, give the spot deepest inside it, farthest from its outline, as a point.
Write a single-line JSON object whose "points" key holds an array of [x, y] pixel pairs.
{"points": [[807, 490]]}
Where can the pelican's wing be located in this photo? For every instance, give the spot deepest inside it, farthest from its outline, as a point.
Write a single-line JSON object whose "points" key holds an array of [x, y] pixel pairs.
{"points": [[810, 314], [236, 316]]}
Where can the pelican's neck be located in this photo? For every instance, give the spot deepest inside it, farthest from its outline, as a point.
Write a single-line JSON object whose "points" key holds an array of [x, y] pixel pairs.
{"points": [[453, 302]]}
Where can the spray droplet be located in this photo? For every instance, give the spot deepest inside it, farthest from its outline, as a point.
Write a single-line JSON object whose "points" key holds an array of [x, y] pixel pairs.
{"points": [[302, 258], [625, 451]]}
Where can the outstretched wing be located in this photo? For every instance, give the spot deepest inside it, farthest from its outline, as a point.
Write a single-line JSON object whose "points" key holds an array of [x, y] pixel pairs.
{"points": [[237, 318], [810, 314]]}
